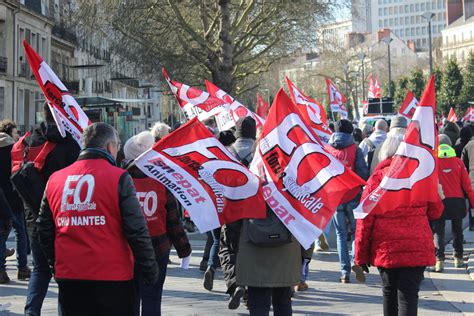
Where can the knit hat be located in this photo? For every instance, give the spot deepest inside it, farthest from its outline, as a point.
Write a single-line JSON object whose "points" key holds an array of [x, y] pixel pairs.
{"points": [[226, 138], [246, 127], [137, 145], [344, 126], [398, 121], [465, 134]]}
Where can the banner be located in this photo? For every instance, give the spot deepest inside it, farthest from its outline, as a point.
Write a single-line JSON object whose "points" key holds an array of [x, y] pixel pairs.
{"points": [[336, 98], [302, 183], [312, 111], [469, 116], [262, 107], [374, 88], [452, 117], [409, 105], [195, 102], [67, 114], [237, 109], [210, 183], [413, 173]]}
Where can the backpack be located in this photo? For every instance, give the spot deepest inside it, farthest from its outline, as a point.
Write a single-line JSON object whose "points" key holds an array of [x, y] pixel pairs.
{"points": [[266, 232], [28, 180], [370, 153]]}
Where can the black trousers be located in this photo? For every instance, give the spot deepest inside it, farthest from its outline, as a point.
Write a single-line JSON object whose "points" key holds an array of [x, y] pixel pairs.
{"points": [[438, 229], [261, 298], [96, 298], [400, 290]]}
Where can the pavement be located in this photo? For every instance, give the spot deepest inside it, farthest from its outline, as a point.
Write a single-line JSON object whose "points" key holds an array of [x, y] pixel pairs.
{"points": [[449, 293]]}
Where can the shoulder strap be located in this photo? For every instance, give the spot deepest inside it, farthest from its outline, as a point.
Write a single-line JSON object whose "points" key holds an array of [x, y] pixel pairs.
{"points": [[41, 158]]}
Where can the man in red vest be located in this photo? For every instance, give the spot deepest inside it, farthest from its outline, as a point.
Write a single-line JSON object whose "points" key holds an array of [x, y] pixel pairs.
{"points": [[91, 229]]}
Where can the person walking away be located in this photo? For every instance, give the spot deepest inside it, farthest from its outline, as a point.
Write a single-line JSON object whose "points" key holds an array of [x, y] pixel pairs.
{"points": [[464, 137], [243, 149], [467, 156], [341, 145], [164, 224], [451, 129], [58, 153], [8, 136], [91, 229], [456, 184], [369, 144], [396, 241]]}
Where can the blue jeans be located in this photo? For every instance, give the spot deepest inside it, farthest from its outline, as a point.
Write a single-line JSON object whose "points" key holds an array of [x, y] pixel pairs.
{"points": [[214, 253], [344, 214], [19, 226], [5, 226], [39, 281], [150, 295]]}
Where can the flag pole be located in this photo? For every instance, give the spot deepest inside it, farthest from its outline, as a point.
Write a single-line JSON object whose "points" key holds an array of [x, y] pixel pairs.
{"points": [[333, 116]]}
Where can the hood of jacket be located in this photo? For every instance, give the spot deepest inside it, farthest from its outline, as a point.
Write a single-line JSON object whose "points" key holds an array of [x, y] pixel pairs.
{"points": [[243, 147], [378, 137], [340, 140], [6, 140]]}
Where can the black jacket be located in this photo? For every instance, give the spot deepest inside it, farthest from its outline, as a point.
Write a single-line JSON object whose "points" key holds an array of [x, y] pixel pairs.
{"points": [[6, 144], [133, 225], [64, 154]]}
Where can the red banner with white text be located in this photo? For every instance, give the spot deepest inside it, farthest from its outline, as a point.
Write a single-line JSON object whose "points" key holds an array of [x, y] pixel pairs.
{"points": [[409, 105]]}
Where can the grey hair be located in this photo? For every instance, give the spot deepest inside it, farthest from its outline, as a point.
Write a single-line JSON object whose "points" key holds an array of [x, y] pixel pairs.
{"points": [[99, 135], [390, 146], [366, 129], [381, 125], [160, 130], [444, 140], [397, 131]]}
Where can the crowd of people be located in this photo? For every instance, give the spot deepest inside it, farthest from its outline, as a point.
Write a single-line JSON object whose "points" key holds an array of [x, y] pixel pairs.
{"points": [[116, 257]]}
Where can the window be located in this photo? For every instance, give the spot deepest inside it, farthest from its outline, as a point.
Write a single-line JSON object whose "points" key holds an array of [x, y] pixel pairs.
{"points": [[402, 32], [423, 30], [390, 11], [401, 21], [412, 19], [417, 7], [21, 107], [412, 8], [401, 9], [422, 7], [390, 22], [380, 23], [406, 8], [395, 10], [418, 19], [380, 11], [385, 11], [407, 20]]}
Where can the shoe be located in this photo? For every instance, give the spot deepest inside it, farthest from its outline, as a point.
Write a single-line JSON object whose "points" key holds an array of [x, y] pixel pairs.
{"points": [[302, 286], [323, 243], [203, 265], [24, 273], [234, 301], [209, 278], [9, 252], [4, 279], [439, 267], [458, 262], [360, 276], [345, 279]]}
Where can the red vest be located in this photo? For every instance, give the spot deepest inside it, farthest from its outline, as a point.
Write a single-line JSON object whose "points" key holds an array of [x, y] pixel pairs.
{"points": [[345, 155], [152, 198], [89, 243], [18, 152]]}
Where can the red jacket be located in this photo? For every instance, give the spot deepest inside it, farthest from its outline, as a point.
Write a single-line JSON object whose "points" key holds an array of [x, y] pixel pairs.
{"points": [[398, 238], [454, 179]]}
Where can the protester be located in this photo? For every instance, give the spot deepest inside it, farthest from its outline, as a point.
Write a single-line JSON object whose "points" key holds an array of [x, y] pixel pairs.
{"points": [[456, 184], [164, 224], [5, 227], [398, 128], [341, 146], [91, 227], [8, 136], [369, 144], [464, 137], [396, 241], [160, 130], [243, 149], [63, 153], [467, 156], [452, 130]]}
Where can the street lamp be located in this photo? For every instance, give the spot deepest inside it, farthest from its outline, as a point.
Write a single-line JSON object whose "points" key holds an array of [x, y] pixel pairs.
{"points": [[388, 40], [362, 57], [346, 70], [428, 16]]}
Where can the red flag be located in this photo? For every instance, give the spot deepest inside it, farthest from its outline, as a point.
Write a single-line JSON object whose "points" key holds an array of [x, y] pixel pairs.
{"points": [[452, 117], [262, 107], [409, 105], [469, 116], [377, 91], [412, 175], [195, 102], [336, 98], [213, 186], [303, 183], [312, 111], [237, 109], [371, 93], [67, 114]]}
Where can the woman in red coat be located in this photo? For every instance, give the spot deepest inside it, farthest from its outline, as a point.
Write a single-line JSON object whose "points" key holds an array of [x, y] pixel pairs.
{"points": [[398, 242]]}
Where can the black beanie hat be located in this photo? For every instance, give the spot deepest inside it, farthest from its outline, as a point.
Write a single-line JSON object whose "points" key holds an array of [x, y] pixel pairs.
{"points": [[245, 127], [344, 126], [226, 138]]}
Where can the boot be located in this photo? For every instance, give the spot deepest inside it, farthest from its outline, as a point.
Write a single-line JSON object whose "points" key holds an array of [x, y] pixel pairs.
{"points": [[9, 252], [439, 267], [24, 273], [203, 265], [4, 279], [345, 279], [323, 243], [234, 301], [458, 262], [209, 278]]}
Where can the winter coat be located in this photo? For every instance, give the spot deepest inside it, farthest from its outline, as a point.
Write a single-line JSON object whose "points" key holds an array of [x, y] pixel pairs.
{"points": [[464, 137], [451, 130], [467, 156], [12, 197], [456, 184], [341, 141], [377, 138], [398, 238]]}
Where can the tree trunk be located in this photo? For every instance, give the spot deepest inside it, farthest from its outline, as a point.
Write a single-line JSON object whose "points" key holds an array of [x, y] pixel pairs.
{"points": [[223, 76]]}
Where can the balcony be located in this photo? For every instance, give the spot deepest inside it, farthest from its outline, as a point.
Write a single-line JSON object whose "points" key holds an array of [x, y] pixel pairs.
{"points": [[61, 31], [3, 65]]}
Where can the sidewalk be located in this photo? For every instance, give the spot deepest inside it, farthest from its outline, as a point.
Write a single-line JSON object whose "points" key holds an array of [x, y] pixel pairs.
{"points": [[184, 294]]}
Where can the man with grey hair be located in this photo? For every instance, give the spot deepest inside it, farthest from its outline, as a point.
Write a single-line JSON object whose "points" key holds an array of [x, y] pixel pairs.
{"points": [[369, 144], [92, 230]]}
